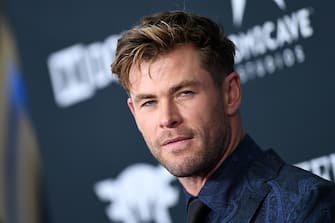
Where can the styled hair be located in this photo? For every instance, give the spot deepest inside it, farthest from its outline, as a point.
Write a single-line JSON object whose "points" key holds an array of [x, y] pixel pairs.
{"points": [[162, 32]]}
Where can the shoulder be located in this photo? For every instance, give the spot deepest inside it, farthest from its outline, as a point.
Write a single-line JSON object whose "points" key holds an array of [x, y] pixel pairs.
{"points": [[302, 196]]}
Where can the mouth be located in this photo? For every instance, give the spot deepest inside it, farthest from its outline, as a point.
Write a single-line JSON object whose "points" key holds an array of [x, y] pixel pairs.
{"points": [[176, 140]]}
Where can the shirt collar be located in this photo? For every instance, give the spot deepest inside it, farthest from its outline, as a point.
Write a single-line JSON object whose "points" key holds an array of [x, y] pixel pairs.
{"points": [[218, 188]]}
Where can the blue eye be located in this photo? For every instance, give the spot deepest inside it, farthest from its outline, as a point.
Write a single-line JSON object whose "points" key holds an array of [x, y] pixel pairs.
{"points": [[186, 93], [148, 103]]}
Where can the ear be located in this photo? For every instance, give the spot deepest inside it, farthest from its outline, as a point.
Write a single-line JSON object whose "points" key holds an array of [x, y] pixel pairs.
{"points": [[232, 93], [131, 106]]}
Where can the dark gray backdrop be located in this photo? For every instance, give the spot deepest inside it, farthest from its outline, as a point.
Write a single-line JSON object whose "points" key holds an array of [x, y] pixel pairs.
{"points": [[289, 108]]}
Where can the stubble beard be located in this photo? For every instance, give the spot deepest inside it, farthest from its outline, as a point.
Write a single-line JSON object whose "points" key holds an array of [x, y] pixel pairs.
{"points": [[203, 159]]}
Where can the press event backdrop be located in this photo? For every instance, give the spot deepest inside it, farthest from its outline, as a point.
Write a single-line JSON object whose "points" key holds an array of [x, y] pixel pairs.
{"points": [[96, 166]]}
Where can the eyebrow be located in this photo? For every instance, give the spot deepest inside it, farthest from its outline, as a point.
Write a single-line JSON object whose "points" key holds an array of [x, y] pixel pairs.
{"points": [[184, 84], [141, 97], [172, 90]]}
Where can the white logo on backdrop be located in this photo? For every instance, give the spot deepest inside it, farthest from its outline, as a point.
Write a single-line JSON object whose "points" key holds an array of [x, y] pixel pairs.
{"points": [[141, 193], [271, 45], [323, 166], [78, 71], [238, 8]]}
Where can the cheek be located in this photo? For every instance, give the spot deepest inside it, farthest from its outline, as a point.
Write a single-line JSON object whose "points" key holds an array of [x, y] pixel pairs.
{"points": [[146, 127], [206, 113], [209, 120]]}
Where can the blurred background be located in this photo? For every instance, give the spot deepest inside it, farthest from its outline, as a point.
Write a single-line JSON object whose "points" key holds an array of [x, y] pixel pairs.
{"points": [[69, 148]]}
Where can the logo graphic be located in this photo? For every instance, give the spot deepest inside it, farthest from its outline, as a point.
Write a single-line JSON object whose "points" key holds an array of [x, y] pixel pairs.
{"points": [[238, 8], [323, 166], [271, 45], [141, 193], [78, 71]]}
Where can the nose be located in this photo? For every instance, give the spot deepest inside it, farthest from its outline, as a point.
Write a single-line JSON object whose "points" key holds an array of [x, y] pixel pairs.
{"points": [[170, 116]]}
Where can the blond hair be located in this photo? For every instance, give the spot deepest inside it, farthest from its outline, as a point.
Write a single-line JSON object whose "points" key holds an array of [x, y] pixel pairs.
{"points": [[160, 33]]}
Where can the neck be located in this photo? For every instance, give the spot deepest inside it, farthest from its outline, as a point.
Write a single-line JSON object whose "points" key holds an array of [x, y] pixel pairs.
{"points": [[194, 184]]}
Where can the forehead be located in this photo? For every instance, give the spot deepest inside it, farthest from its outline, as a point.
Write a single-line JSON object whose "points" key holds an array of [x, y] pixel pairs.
{"points": [[181, 63]]}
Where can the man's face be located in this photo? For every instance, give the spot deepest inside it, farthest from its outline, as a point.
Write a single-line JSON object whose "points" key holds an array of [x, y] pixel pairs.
{"points": [[180, 112]]}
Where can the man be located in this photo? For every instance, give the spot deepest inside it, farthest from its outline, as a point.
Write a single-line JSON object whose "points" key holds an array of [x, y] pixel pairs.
{"points": [[184, 95]]}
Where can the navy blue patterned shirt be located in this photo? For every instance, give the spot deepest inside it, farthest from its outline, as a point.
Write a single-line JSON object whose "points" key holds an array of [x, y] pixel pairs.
{"points": [[257, 186]]}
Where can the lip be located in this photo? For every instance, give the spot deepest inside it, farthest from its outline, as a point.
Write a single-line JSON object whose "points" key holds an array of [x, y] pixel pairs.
{"points": [[175, 140]]}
